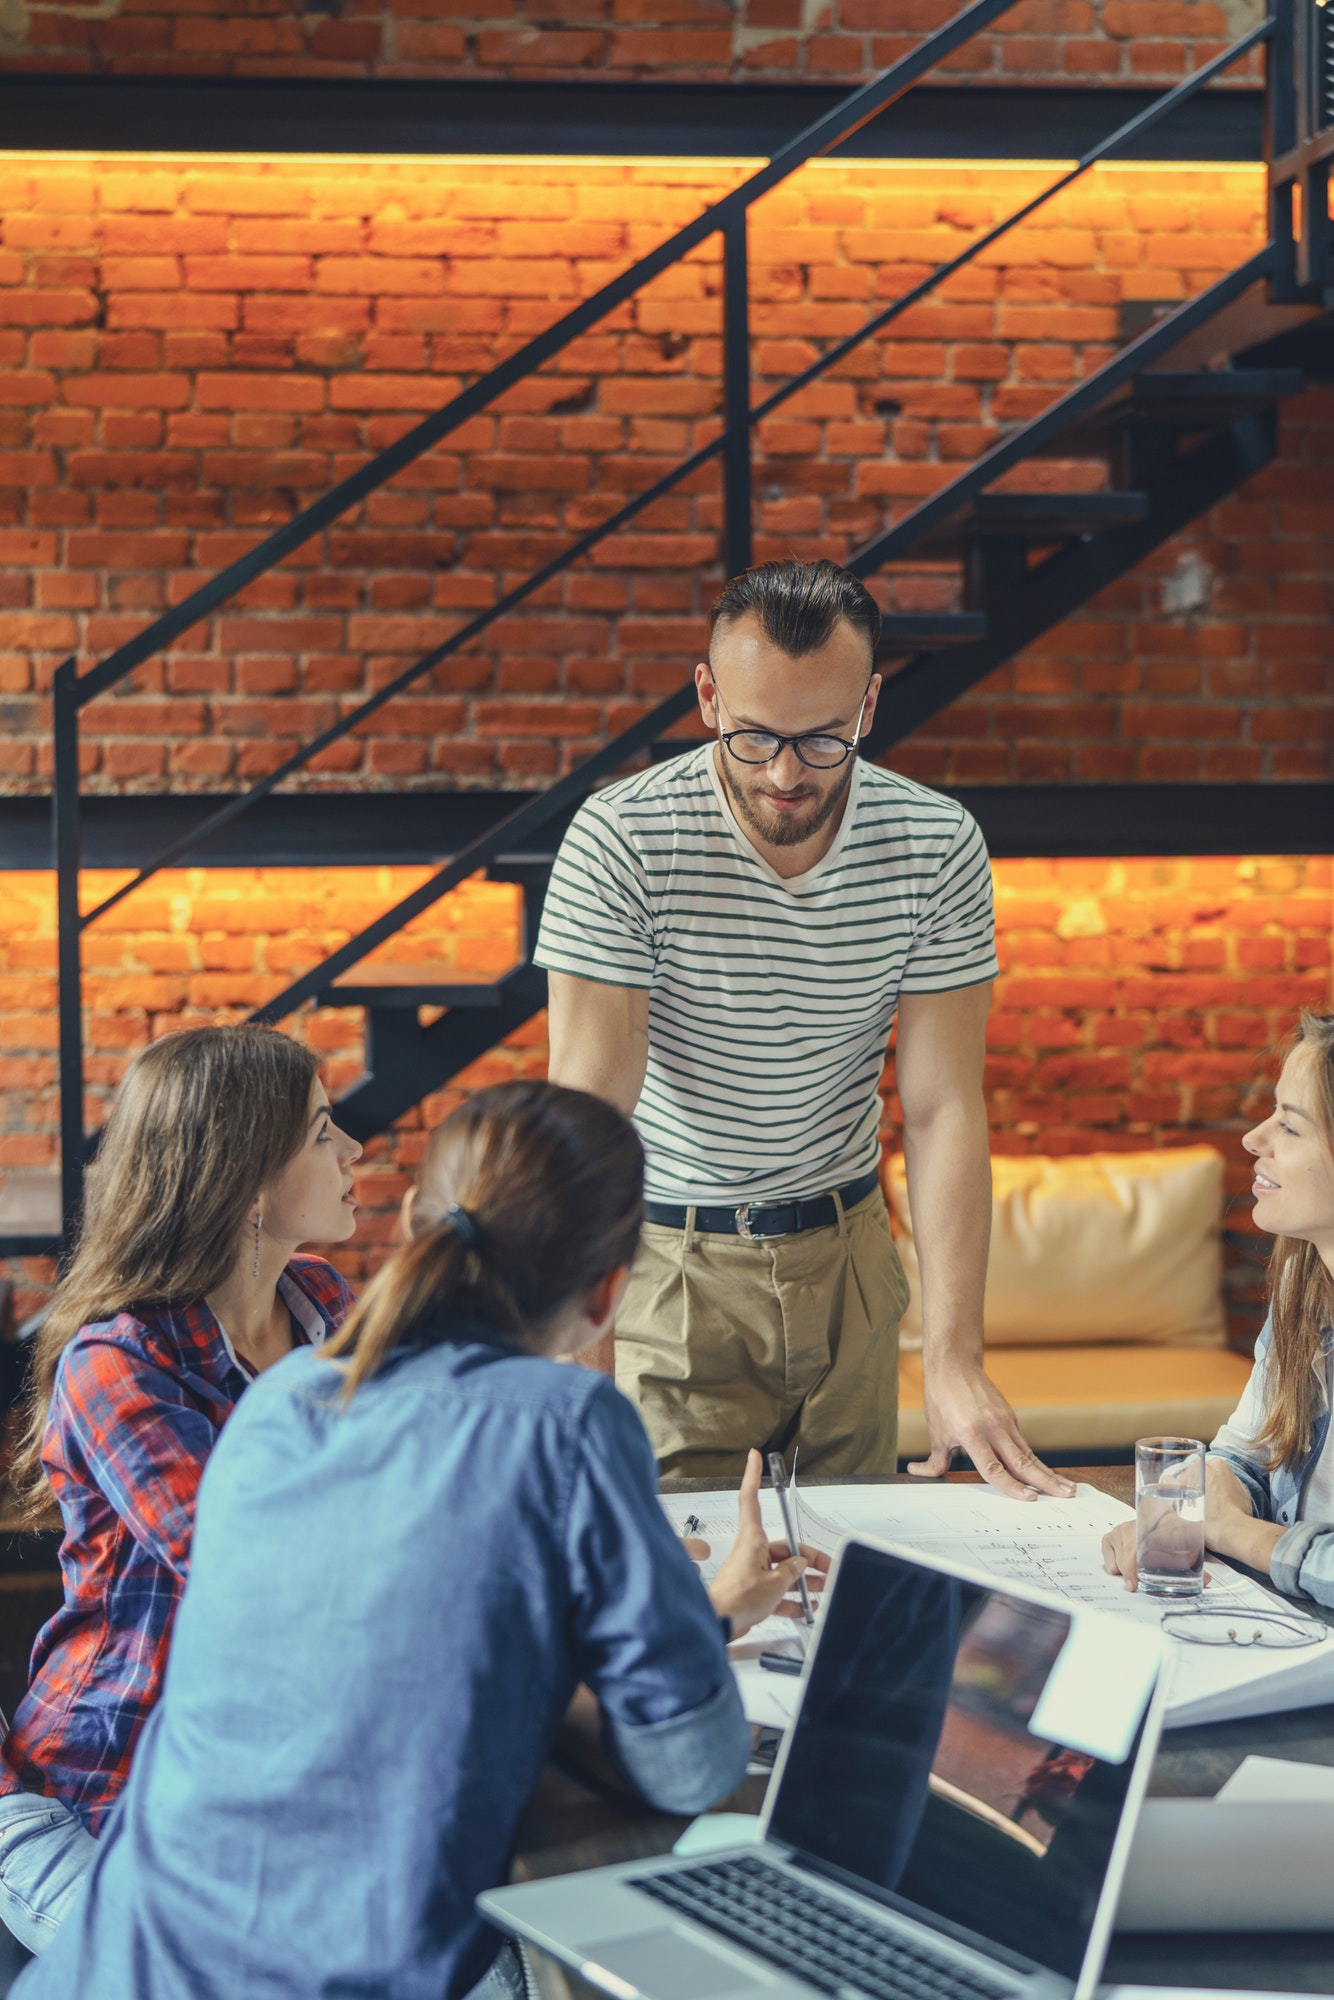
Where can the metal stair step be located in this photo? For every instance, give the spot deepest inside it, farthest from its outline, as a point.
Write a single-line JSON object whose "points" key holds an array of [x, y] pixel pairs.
{"points": [[904, 632], [409, 986], [1200, 400], [29, 1215], [1211, 395], [1034, 517]]}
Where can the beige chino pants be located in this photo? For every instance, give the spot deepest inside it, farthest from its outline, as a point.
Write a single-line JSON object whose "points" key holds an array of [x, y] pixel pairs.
{"points": [[722, 1344]]}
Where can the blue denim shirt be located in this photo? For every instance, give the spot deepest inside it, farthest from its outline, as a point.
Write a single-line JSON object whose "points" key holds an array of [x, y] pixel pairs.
{"points": [[1302, 1564], [390, 1605]]}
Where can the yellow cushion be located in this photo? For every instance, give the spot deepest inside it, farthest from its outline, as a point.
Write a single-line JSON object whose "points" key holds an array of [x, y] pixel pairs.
{"points": [[1096, 1398], [1093, 1247]]}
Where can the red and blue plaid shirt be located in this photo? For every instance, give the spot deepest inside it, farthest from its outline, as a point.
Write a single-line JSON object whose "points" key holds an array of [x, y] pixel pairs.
{"points": [[138, 1406]]}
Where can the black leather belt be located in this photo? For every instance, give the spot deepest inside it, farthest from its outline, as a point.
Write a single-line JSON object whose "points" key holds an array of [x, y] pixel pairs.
{"points": [[755, 1220]]}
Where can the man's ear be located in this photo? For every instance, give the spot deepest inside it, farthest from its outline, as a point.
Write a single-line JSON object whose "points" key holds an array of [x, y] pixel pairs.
{"points": [[405, 1209], [705, 690]]}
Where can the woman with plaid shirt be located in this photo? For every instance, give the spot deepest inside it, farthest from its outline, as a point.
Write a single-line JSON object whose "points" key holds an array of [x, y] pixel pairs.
{"points": [[220, 1157], [410, 1552]]}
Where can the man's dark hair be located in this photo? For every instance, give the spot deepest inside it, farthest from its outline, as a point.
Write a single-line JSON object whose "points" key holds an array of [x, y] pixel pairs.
{"points": [[799, 605]]}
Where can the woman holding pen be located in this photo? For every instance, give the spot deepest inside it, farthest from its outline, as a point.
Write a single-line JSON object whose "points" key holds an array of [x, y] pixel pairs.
{"points": [[411, 1548]]}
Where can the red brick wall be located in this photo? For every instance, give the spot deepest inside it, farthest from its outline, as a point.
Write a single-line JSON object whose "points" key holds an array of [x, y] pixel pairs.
{"points": [[188, 351], [1136, 1002], [1130, 690], [1046, 41], [203, 945]]}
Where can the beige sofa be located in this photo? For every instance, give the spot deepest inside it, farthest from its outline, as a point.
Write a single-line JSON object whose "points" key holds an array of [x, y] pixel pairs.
{"points": [[1104, 1310]]}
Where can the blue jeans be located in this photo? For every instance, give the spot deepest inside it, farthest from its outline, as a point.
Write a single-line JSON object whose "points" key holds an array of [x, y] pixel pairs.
{"points": [[45, 1852]]}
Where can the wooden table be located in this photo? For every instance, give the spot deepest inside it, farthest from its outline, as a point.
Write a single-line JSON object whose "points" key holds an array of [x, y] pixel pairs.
{"points": [[579, 1821]]}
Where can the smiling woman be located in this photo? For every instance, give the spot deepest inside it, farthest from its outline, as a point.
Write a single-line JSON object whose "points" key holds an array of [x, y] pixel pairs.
{"points": [[1270, 1470], [220, 1157]]}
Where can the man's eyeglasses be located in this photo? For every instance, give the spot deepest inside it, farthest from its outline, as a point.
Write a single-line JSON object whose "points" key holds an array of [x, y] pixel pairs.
{"points": [[818, 753]]}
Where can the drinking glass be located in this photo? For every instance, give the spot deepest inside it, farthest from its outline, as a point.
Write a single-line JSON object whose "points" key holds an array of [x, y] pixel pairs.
{"points": [[1169, 1515]]}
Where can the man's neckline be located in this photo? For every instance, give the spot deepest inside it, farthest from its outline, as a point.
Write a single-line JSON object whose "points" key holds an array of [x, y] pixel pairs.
{"points": [[817, 868]]}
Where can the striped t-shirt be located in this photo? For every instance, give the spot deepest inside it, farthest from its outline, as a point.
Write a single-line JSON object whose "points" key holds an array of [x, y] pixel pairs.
{"points": [[770, 1000]]}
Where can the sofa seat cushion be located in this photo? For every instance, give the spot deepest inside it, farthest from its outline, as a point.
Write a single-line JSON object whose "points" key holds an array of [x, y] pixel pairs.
{"points": [[1096, 1398]]}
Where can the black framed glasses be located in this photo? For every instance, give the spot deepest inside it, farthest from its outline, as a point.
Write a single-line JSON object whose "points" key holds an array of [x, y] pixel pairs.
{"points": [[817, 752], [759, 746]]}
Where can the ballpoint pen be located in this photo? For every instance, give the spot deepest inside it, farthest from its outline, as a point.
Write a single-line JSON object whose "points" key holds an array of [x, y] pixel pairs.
{"points": [[778, 1474]]}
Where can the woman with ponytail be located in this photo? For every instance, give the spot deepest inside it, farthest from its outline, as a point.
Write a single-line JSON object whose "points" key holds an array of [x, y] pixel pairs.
{"points": [[1269, 1496], [220, 1156], [410, 1550]]}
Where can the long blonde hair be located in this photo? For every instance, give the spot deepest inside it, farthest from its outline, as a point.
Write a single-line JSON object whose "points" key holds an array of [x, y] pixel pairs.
{"points": [[202, 1121], [551, 1185], [1301, 1288]]}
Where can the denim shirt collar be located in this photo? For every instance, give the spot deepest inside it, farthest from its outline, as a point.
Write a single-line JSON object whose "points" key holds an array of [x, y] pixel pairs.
{"points": [[458, 1330]]}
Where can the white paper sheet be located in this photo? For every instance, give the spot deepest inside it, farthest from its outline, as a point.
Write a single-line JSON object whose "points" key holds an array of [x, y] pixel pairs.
{"points": [[1278, 1781], [1199, 1866], [1047, 1543], [1184, 1993]]}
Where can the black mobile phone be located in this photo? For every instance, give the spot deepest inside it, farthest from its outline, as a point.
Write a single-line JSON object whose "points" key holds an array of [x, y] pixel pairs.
{"points": [[781, 1663]]}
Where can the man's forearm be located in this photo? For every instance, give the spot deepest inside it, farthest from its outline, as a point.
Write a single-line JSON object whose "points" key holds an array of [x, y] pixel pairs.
{"points": [[598, 1038], [949, 1191]]}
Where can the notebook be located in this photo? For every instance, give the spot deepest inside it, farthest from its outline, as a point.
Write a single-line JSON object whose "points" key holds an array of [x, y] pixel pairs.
{"points": [[949, 1818]]}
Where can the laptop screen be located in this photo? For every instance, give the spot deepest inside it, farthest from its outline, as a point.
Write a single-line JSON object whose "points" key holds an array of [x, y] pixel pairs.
{"points": [[961, 1754]]}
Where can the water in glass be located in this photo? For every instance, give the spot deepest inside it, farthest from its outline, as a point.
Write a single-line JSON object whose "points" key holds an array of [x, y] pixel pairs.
{"points": [[1169, 1507]]}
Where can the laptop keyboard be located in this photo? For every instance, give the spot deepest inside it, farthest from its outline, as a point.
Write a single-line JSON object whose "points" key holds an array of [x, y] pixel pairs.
{"points": [[816, 1937]]}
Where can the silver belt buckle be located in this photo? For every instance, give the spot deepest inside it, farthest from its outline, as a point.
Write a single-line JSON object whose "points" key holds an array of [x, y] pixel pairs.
{"points": [[743, 1228]]}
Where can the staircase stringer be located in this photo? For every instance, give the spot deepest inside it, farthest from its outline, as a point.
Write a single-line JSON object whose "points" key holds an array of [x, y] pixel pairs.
{"points": [[1055, 588]]}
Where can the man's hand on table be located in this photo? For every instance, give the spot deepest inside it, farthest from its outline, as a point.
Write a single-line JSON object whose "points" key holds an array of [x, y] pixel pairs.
{"points": [[755, 1581], [965, 1411]]}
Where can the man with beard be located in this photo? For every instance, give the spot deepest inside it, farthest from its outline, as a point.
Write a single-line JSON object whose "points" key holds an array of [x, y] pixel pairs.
{"points": [[729, 936]]}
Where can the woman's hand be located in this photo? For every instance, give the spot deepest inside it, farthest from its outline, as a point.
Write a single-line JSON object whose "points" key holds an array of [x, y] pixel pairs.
{"points": [[1121, 1547], [1229, 1527], [1119, 1550], [757, 1576]]}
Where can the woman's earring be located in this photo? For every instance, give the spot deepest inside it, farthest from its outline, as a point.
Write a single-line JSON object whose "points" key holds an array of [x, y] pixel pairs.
{"points": [[254, 1268]]}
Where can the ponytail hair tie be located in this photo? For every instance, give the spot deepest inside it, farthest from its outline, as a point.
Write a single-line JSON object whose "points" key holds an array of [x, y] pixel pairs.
{"points": [[464, 1225]]}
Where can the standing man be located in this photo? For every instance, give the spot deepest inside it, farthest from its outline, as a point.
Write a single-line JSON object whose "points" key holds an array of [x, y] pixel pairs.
{"points": [[729, 936]]}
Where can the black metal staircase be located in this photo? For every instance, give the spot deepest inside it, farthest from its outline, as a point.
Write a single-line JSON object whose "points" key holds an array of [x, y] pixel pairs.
{"points": [[1167, 427]]}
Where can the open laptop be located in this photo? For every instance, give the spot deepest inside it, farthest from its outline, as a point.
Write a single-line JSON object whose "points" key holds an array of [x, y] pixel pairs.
{"points": [[949, 1818]]}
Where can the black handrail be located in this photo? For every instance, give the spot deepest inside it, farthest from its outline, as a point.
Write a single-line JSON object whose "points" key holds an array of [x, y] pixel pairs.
{"points": [[71, 692], [732, 443], [837, 124], [507, 836], [519, 826], [727, 216], [1300, 147]]}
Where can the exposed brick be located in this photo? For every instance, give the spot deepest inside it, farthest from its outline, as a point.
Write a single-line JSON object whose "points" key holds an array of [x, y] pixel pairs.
{"points": [[693, 38], [450, 269]]}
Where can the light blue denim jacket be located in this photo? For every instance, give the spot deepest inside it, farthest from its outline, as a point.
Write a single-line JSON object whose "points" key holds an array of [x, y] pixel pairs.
{"points": [[390, 1604], [1303, 1561]]}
